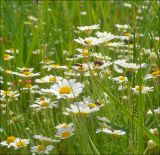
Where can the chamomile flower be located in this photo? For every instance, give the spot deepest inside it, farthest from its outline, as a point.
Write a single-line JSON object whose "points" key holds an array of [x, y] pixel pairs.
{"points": [[42, 149], [90, 41], [19, 143], [120, 27], [48, 79], [84, 53], [89, 28], [43, 104], [142, 89], [154, 131], [44, 140], [83, 108], [67, 88], [46, 61], [153, 75], [54, 66], [12, 51], [64, 130], [120, 79], [7, 57], [9, 93], [99, 65], [8, 142], [27, 72], [114, 132], [81, 67]]}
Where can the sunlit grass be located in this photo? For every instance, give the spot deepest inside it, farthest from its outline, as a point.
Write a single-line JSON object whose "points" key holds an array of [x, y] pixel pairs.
{"points": [[122, 114]]}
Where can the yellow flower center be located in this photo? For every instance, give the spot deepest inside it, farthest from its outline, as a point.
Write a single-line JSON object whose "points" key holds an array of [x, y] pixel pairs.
{"points": [[81, 68], [6, 56], [85, 53], [139, 88], [66, 134], [21, 144], [65, 90], [64, 125], [127, 34], [27, 73], [7, 92], [40, 148], [54, 65], [52, 79], [156, 73], [10, 139], [92, 105], [44, 104], [122, 78], [28, 85], [88, 41], [14, 118]]}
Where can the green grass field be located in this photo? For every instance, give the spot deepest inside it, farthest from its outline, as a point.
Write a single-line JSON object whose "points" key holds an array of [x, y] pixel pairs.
{"points": [[80, 77]]}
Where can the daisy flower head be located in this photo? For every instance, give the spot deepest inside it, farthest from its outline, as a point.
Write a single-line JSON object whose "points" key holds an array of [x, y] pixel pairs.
{"points": [[153, 75], [84, 53], [54, 66], [142, 89], [114, 132], [44, 140], [12, 51], [19, 143], [67, 88], [80, 67], [120, 79], [26, 72], [83, 108], [42, 149], [48, 79], [90, 41], [64, 130], [122, 27], [7, 57], [99, 65], [8, 142], [46, 104], [89, 29]]}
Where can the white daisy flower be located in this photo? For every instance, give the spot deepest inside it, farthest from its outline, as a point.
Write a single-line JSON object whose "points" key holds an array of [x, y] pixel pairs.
{"points": [[67, 88], [12, 51], [48, 79], [44, 140], [9, 93], [89, 28], [90, 41], [81, 67], [99, 65], [54, 66], [7, 57], [8, 142], [154, 131], [26, 72], [153, 75], [125, 26], [42, 149], [142, 89], [83, 53], [114, 132], [120, 79], [19, 143], [83, 108], [64, 130]]}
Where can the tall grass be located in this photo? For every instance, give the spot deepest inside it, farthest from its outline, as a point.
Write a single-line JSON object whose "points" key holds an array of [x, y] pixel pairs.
{"points": [[53, 35]]}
